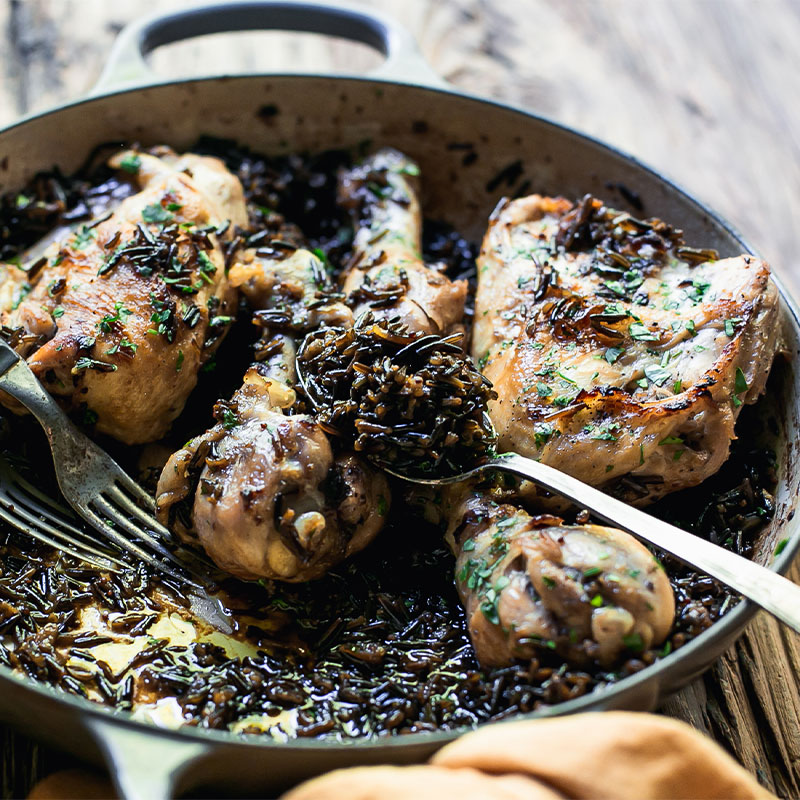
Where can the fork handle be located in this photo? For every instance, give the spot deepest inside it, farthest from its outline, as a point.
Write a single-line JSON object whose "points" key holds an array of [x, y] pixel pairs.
{"points": [[766, 588]]}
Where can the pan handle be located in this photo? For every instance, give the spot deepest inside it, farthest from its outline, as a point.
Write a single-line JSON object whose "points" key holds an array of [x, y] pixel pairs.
{"points": [[144, 767], [126, 67]]}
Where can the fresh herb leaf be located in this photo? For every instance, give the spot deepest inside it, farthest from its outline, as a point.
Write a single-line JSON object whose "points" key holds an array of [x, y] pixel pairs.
{"points": [[229, 419], [591, 572], [83, 237], [131, 163], [613, 353], [542, 433], [155, 212], [740, 383], [634, 642], [657, 374], [642, 333]]}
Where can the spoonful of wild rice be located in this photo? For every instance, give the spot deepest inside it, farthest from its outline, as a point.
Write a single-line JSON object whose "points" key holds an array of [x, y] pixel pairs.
{"points": [[414, 404]]}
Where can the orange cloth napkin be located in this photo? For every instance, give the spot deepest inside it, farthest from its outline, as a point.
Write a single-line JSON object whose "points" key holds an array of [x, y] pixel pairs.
{"points": [[615, 755]]}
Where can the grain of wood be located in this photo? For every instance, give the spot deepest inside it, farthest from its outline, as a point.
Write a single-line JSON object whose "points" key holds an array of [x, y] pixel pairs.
{"points": [[703, 91]]}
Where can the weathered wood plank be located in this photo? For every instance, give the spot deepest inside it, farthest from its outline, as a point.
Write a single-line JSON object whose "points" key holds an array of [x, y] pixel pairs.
{"points": [[702, 91]]}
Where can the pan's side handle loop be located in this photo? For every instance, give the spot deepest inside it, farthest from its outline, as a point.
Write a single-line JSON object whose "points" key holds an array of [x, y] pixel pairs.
{"points": [[144, 767], [127, 68]]}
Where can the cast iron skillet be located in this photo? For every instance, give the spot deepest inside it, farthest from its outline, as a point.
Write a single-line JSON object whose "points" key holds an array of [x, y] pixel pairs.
{"points": [[403, 104]]}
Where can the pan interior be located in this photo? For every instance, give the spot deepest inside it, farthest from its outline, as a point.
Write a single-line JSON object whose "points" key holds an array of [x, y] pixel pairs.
{"points": [[471, 154]]}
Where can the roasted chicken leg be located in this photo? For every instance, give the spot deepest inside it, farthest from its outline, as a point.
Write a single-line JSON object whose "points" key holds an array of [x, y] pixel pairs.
{"points": [[272, 499], [387, 274], [589, 592]]}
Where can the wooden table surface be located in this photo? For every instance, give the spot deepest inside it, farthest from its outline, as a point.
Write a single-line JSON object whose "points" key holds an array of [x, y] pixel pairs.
{"points": [[705, 91]]}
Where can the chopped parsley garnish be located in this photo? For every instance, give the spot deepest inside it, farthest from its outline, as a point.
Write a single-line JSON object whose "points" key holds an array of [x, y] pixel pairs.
{"points": [[164, 317], [603, 433], [591, 572], [642, 333], [543, 390], [120, 315], [542, 433], [408, 169], [780, 547], [229, 419], [730, 326], [179, 362], [565, 378], [206, 264], [677, 387], [697, 290], [671, 440], [155, 213], [58, 312], [690, 326], [124, 344], [596, 601], [740, 384], [83, 237], [613, 353], [383, 506], [657, 374], [616, 310], [20, 294], [634, 642], [131, 163]]}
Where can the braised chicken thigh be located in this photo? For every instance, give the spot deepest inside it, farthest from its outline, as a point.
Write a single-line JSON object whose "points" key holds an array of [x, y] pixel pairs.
{"points": [[618, 354], [127, 309], [387, 274], [272, 499]]}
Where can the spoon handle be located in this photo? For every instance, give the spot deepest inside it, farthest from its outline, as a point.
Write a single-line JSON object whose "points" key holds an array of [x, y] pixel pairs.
{"points": [[766, 588]]}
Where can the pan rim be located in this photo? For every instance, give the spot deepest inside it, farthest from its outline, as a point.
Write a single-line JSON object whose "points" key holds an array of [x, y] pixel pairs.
{"points": [[735, 619]]}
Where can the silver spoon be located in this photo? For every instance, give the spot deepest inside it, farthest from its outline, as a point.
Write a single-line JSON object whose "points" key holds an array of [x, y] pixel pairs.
{"points": [[765, 588]]}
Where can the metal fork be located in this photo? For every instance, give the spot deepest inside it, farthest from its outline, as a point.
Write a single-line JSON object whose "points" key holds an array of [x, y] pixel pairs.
{"points": [[99, 490]]}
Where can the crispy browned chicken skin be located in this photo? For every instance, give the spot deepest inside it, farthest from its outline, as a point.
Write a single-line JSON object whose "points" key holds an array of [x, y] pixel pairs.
{"points": [[127, 309], [387, 274], [617, 352]]}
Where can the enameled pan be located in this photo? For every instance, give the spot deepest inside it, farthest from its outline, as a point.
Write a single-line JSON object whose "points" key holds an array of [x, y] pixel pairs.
{"points": [[406, 105]]}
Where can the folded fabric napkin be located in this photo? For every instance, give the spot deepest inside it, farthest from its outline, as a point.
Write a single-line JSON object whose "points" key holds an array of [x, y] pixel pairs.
{"points": [[615, 755]]}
